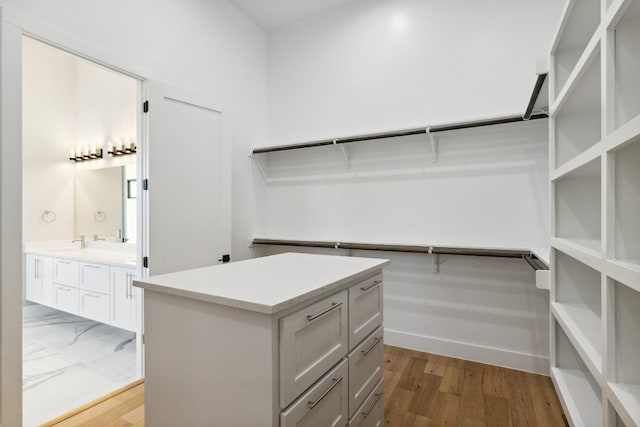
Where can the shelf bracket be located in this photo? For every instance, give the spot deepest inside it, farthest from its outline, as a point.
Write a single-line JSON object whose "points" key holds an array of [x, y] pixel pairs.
{"points": [[345, 153], [436, 260], [433, 139], [258, 164]]}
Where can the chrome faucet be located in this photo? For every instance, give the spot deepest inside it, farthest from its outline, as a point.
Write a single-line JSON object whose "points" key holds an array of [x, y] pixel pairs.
{"points": [[96, 238], [81, 240]]}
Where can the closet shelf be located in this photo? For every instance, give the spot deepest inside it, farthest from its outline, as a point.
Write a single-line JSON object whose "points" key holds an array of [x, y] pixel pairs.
{"points": [[626, 401], [627, 133], [577, 162], [406, 132], [532, 259], [581, 403], [625, 271], [586, 251], [583, 327], [582, 67]]}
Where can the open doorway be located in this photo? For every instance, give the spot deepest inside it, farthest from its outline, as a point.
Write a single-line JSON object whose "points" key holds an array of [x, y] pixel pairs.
{"points": [[81, 225]]}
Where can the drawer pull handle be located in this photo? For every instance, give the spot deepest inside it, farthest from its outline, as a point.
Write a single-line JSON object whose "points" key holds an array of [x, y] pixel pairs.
{"points": [[92, 266], [92, 295], [335, 383], [375, 283], [334, 305], [63, 262], [64, 289], [366, 413], [376, 341]]}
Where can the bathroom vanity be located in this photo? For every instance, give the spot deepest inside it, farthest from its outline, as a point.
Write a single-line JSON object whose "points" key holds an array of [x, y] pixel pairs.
{"points": [[88, 282], [285, 340]]}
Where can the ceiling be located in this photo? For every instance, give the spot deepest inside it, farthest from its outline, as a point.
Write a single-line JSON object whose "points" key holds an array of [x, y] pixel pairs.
{"points": [[270, 14]]}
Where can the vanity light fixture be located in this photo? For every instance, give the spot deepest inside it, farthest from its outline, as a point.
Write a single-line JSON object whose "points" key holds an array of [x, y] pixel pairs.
{"points": [[79, 155], [121, 150]]}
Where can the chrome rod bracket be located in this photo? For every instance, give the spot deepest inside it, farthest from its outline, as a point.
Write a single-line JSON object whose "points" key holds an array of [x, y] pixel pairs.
{"points": [[433, 139], [436, 260], [345, 153]]}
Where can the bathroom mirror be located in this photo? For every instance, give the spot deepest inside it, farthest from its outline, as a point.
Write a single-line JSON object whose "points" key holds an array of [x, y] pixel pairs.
{"points": [[105, 205]]}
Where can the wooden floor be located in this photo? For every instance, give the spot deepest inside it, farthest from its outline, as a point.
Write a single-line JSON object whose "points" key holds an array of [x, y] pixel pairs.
{"points": [[421, 389]]}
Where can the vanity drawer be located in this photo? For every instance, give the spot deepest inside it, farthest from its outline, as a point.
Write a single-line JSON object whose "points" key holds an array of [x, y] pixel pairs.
{"points": [[325, 404], [365, 309], [94, 277], [65, 272], [95, 306], [65, 298], [312, 340], [365, 368], [371, 413]]}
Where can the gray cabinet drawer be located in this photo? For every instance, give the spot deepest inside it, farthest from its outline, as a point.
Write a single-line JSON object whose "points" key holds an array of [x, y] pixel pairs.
{"points": [[371, 413], [365, 368], [325, 404], [365, 309], [312, 340]]}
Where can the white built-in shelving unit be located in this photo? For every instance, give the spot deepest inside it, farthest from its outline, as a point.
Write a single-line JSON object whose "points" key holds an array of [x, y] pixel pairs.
{"points": [[594, 92]]}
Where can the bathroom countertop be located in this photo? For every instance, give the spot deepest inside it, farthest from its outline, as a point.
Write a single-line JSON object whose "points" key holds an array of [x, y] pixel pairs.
{"points": [[268, 284], [103, 256]]}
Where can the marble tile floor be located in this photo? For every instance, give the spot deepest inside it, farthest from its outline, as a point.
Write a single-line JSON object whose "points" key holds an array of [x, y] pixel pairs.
{"points": [[69, 361]]}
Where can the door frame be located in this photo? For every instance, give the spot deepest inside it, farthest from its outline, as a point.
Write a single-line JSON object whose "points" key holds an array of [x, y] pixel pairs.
{"points": [[13, 27]]}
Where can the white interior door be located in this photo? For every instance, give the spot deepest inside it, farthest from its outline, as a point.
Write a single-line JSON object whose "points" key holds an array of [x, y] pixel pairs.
{"points": [[189, 179]]}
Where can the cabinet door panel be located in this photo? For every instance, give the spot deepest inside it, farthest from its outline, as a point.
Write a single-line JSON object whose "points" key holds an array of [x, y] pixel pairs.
{"points": [[65, 272], [33, 279], [65, 298], [365, 369], [371, 413], [38, 279], [325, 404], [312, 340], [124, 298], [94, 277], [95, 306], [365, 309]]}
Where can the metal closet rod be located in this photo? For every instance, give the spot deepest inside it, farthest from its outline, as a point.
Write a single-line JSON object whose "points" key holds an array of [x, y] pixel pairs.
{"points": [[406, 132], [534, 95], [528, 256]]}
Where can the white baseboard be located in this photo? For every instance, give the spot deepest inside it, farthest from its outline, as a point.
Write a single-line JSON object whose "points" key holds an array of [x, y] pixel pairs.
{"points": [[535, 363]]}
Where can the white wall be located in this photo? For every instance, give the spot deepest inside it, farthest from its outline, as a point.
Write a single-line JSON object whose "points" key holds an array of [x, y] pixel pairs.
{"points": [[68, 102], [49, 131], [374, 65]]}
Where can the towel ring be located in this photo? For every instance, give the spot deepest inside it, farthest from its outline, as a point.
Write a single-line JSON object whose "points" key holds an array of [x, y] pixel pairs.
{"points": [[100, 216], [48, 216]]}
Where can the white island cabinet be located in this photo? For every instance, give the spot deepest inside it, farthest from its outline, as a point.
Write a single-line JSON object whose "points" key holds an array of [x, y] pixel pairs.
{"points": [[285, 340]]}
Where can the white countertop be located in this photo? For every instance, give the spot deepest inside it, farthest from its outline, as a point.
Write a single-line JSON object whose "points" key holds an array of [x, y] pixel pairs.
{"points": [[122, 258], [268, 284]]}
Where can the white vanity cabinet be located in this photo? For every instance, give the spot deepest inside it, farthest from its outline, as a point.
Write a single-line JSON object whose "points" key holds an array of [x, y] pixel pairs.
{"points": [[39, 279], [124, 297], [272, 333], [100, 291]]}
